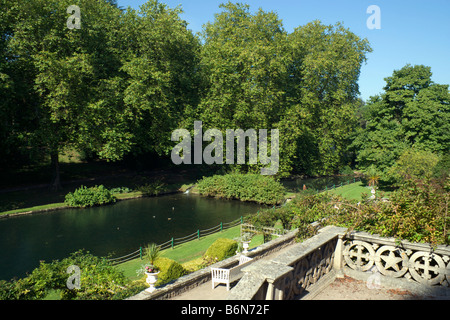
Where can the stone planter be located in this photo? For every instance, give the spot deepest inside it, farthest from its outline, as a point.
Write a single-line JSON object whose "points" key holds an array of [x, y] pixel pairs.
{"points": [[245, 246], [152, 277]]}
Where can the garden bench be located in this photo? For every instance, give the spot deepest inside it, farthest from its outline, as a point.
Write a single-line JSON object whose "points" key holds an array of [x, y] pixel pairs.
{"points": [[227, 276]]}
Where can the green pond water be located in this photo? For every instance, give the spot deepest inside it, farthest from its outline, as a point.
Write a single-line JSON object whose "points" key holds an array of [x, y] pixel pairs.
{"points": [[117, 229]]}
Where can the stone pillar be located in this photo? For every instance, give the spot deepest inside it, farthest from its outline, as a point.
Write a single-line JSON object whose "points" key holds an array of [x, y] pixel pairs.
{"points": [[339, 256], [270, 290]]}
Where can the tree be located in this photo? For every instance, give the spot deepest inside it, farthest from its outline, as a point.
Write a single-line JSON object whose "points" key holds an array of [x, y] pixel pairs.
{"points": [[65, 66], [161, 77], [118, 84], [304, 84], [244, 61], [413, 112], [18, 100], [323, 95], [98, 280]]}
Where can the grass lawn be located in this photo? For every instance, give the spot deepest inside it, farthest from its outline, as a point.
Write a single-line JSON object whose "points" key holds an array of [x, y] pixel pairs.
{"points": [[354, 191], [189, 254]]}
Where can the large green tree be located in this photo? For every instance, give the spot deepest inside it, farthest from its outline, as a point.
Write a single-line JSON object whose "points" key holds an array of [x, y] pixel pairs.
{"points": [[412, 112], [117, 83], [323, 96], [64, 69], [245, 61], [17, 99], [160, 63], [303, 83]]}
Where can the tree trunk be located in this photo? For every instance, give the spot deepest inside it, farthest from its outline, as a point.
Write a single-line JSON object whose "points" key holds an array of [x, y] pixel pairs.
{"points": [[56, 183]]}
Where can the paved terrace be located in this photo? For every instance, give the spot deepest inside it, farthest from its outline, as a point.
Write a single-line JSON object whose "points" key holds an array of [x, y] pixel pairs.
{"points": [[333, 265]]}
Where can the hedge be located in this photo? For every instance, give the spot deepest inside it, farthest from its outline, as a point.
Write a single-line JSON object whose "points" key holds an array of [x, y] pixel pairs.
{"points": [[221, 249]]}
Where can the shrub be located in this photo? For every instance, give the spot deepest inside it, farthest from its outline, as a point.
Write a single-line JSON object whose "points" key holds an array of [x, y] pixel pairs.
{"points": [[99, 280], [169, 270], [412, 165], [417, 212], [221, 249], [88, 197], [153, 188], [121, 190], [244, 187]]}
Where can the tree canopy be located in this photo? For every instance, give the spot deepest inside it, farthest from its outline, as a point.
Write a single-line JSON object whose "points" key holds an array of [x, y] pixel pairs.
{"points": [[412, 112], [126, 79]]}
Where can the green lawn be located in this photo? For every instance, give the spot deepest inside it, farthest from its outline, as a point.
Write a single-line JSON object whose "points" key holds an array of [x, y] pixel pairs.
{"points": [[187, 252], [354, 191]]}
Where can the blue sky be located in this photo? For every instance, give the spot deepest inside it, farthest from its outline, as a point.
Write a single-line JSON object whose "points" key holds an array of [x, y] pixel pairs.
{"points": [[415, 31]]}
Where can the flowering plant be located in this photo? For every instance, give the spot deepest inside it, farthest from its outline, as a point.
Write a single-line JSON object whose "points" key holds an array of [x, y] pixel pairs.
{"points": [[147, 268], [151, 268]]}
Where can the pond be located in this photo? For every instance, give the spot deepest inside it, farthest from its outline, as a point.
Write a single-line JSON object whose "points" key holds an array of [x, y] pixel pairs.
{"points": [[119, 229]]}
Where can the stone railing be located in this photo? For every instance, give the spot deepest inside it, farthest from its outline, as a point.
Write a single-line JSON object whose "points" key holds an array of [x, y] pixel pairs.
{"points": [[415, 261], [300, 271], [308, 267]]}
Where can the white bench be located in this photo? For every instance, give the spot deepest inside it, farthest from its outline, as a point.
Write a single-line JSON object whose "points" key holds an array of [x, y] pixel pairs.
{"points": [[227, 276]]}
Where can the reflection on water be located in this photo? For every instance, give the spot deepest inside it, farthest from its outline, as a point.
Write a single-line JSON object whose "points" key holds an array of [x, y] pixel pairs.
{"points": [[120, 228]]}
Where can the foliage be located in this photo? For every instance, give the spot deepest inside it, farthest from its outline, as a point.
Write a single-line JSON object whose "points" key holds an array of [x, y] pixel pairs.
{"points": [[298, 213], [153, 188], [303, 83], [169, 270], [372, 175], [120, 190], [221, 249], [116, 86], [442, 168], [413, 112], [245, 187], [152, 252], [99, 280], [417, 212], [412, 165], [160, 74], [67, 72], [123, 82], [89, 197], [322, 90]]}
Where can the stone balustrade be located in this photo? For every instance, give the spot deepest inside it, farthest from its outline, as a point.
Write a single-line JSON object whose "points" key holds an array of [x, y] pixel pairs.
{"points": [[308, 267], [297, 272], [414, 261]]}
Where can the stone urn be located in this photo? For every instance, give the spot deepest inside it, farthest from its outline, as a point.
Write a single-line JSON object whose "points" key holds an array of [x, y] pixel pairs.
{"points": [[152, 277], [373, 194], [245, 246]]}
